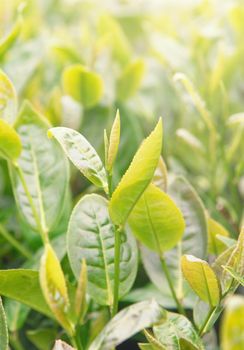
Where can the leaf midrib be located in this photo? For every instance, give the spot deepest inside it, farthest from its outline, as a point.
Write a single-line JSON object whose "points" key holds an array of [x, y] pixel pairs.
{"points": [[104, 257]]}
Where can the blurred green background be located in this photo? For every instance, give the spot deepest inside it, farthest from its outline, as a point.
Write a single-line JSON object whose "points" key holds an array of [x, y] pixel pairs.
{"points": [[79, 61]]}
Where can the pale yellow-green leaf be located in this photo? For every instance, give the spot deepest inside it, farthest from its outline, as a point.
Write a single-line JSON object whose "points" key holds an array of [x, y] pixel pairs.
{"points": [[54, 288], [10, 143], [160, 178], [215, 246], [80, 296], [8, 99], [201, 278], [83, 85], [156, 221], [3, 328], [113, 143], [130, 80], [137, 177], [235, 263], [232, 326], [7, 42]]}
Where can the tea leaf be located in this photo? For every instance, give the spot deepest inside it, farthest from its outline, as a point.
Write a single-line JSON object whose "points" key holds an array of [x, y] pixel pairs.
{"points": [[126, 323], [80, 296], [113, 143], [232, 325], [146, 346], [130, 80], [201, 313], [160, 176], [16, 314], [137, 177], [154, 343], [215, 246], [231, 271], [91, 237], [23, 286], [81, 154], [10, 144], [54, 288], [235, 262], [83, 85], [177, 333], [44, 170], [3, 328], [7, 42], [201, 278], [42, 337], [8, 99], [156, 221], [194, 241]]}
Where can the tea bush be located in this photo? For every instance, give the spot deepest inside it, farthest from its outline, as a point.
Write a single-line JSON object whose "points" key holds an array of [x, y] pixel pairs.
{"points": [[106, 238]]}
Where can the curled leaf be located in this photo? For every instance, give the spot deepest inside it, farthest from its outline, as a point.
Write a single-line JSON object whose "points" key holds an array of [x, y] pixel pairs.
{"points": [[54, 288], [201, 278]]}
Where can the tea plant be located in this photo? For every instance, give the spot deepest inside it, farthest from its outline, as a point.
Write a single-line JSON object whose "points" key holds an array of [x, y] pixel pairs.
{"points": [[163, 213]]}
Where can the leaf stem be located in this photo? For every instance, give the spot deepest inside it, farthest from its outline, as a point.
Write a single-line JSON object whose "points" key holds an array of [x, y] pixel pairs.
{"points": [[116, 270], [42, 231], [170, 283], [13, 241], [209, 317], [76, 340]]}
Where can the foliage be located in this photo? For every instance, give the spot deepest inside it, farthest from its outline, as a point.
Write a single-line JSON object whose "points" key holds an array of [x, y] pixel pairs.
{"points": [[106, 237]]}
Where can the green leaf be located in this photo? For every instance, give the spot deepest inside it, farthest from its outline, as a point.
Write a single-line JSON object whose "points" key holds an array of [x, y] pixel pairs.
{"points": [[54, 287], [130, 80], [91, 237], [45, 171], [3, 328], [16, 314], [231, 271], [215, 246], [111, 30], [113, 145], [160, 178], [233, 258], [81, 154], [80, 296], [23, 286], [8, 99], [145, 346], [42, 338], [201, 278], [201, 312], [232, 336], [154, 343], [194, 241], [177, 333], [83, 85], [156, 221], [7, 42], [137, 177], [10, 143], [126, 323]]}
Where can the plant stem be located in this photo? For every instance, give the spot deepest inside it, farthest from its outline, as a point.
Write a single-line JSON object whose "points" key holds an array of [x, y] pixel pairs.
{"points": [[116, 270], [77, 341], [207, 320], [43, 232], [15, 342], [13, 241], [167, 274]]}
